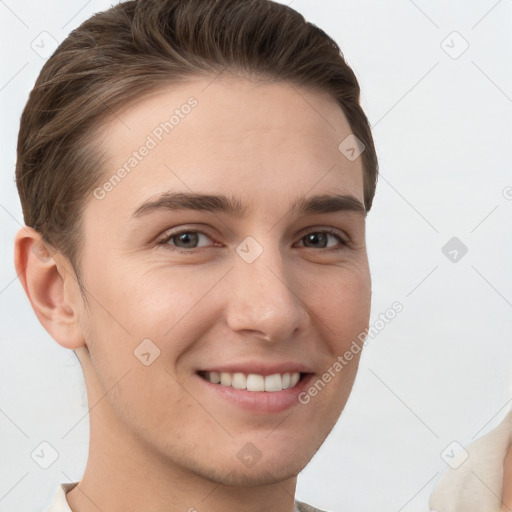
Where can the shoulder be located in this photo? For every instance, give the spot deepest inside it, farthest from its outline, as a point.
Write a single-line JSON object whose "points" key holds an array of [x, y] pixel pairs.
{"points": [[59, 502], [304, 507], [474, 480]]}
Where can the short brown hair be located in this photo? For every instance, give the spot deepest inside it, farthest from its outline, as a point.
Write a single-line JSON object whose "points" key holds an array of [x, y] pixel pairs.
{"points": [[138, 46]]}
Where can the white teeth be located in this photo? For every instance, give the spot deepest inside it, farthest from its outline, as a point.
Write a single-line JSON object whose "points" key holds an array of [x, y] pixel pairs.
{"points": [[254, 382], [225, 379], [294, 378], [273, 382], [239, 381], [215, 377]]}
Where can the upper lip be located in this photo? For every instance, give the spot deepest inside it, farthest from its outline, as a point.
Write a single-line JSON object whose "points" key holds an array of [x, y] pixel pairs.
{"points": [[259, 368]]}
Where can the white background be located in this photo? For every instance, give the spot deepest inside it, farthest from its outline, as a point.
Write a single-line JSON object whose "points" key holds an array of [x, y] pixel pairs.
{"points": [[441, 370]]}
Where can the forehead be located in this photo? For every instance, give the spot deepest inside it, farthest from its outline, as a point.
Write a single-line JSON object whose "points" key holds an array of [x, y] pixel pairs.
{"points": [[265, 142]]}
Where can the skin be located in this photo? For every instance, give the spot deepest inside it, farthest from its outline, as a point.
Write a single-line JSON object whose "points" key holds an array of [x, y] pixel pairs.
{"points": [[157, 443]]}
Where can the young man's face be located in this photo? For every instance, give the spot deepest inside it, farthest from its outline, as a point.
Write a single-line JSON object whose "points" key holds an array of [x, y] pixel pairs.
{"points": [[266, 292]]}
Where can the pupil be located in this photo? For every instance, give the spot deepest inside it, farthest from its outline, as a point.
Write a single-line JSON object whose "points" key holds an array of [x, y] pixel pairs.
{"points": [[187, 237], [316, 236]]}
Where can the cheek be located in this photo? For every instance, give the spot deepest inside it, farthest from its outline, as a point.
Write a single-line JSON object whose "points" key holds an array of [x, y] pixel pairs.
{"points": [[145, 303], [162, 313], [341, 302], [173, 304]]}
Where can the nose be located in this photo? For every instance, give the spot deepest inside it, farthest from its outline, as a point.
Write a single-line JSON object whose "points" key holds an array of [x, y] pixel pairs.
{"points": [[265, 299]]}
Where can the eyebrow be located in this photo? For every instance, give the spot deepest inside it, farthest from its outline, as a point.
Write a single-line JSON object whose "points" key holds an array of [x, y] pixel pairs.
{"points": [[320, 203]]}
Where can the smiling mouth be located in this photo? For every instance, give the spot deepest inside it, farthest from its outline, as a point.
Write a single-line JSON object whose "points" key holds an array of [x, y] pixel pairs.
{"points": [[252, 381]]}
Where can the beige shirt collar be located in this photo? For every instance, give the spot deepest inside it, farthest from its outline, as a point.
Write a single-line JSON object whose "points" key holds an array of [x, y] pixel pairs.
{"points": [[60, 503]]}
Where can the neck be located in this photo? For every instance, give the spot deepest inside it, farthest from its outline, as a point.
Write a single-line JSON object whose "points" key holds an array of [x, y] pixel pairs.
{"points": [[124, 473]]}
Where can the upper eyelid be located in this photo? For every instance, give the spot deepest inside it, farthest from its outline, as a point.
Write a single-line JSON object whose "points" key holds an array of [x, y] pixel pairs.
{"points": [[168, 235]]}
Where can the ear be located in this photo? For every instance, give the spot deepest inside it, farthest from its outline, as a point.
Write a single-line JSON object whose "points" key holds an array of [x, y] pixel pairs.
{"points": [[51, 287]]}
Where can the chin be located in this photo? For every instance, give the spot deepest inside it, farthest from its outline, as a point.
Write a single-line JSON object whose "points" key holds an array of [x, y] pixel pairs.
{"points": [[268, 470], [265, 474], [279, 465]]}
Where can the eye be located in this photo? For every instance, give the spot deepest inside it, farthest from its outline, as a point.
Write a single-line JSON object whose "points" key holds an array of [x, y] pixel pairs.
{"points": [[319, 239], [186, 239]]}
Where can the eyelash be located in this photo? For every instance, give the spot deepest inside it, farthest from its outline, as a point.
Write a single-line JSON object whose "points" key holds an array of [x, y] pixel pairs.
{"points": [[165, 241]]}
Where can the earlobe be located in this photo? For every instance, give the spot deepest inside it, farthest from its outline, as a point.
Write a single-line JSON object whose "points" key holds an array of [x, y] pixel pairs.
{"points": [[48, 286]]}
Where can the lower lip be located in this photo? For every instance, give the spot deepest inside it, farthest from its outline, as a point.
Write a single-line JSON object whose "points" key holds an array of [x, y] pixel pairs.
{"points": [[266, 402]]}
